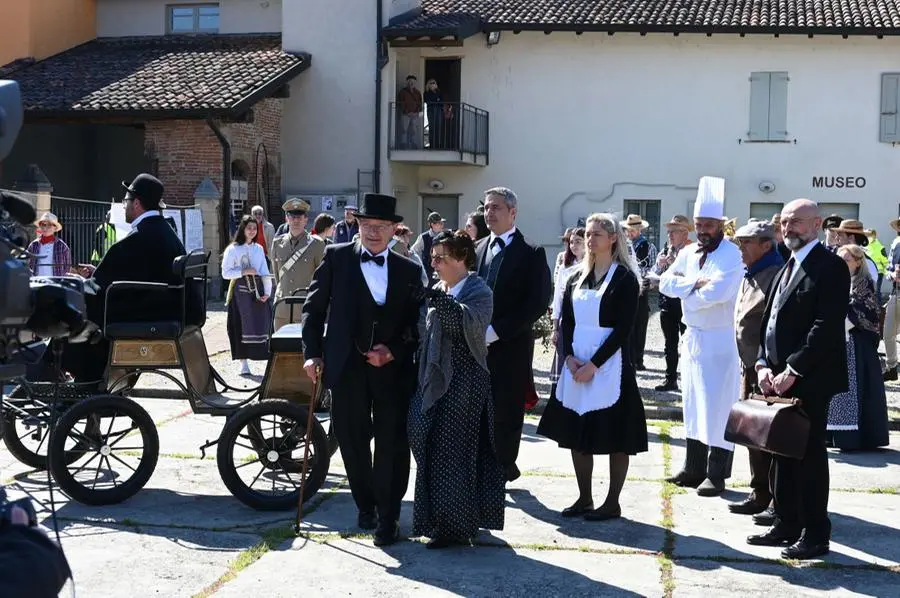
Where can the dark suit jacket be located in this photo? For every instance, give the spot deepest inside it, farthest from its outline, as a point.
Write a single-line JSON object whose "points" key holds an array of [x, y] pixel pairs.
{"points": [[333, 297], [618, 310], [522, 290], [144, 255], [809, 330]]}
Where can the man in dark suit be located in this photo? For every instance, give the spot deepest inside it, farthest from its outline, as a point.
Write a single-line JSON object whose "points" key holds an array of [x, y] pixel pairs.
{"points": [[146, 254], [802, 355], [517, 272], [370, 297]]}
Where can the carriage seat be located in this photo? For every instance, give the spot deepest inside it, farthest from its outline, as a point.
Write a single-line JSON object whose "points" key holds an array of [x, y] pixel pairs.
{"points": [[287, 339], [163, 330]]}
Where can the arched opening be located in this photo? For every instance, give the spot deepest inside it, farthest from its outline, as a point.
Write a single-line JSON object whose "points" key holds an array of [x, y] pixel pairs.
{"points": [[240, 175]]}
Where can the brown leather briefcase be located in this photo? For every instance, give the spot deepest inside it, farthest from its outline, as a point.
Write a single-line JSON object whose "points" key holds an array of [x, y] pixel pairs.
{"points": [[771, 424]]}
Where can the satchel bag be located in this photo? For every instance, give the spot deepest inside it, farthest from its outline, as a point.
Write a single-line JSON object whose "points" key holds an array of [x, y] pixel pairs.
{"points": [[772, 424]]}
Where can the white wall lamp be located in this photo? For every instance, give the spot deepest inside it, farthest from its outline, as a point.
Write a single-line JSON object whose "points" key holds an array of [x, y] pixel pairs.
{"points": [[493, 38]]}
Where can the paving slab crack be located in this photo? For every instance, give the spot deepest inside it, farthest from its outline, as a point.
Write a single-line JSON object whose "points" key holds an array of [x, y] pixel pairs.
{"points": [[665, 559], [271, 539]]}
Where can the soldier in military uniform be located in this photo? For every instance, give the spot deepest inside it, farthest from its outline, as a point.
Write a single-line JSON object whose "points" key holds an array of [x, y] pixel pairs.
{"points": [[295, 256]]}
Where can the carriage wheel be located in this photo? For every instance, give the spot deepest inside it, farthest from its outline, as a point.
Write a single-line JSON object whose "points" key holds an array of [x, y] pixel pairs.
{"points": [[121, 447], [27, 435], [260, 455]]}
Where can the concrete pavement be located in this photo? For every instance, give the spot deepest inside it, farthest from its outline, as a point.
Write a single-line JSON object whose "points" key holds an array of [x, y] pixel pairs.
{"points": [[185, 535]]}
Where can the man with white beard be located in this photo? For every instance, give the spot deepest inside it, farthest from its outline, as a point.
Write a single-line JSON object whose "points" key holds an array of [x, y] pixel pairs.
{"points": [[707, 277]]}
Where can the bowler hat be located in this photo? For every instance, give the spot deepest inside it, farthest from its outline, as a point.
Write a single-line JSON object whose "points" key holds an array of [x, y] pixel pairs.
{"points": [[148, 189], [379, 207]]}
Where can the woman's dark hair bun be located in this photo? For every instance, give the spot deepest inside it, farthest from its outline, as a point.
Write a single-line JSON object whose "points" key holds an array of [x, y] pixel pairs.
{"points": [[459, 246]]}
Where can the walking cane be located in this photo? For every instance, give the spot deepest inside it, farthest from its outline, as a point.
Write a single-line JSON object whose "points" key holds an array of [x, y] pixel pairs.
{"points": [[309, 424]]}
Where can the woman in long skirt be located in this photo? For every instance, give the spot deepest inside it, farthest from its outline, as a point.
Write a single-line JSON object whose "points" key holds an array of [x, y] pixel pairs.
{"points": [[459, 482], [249, 312], [597, 408], [857, 419]]}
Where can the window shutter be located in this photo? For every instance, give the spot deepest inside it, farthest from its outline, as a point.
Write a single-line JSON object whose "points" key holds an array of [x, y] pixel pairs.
{"points": [[890, 105], [778, 95], [759, 107]]}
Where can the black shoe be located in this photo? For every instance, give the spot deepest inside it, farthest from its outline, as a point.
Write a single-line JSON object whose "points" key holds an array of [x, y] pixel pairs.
{"points": [[667, 386], [749, 506], [639, 367], [604, 513], [889, 375], [387, 534], [686, 480], [438, 542], [577, 510], [711, 487], [774, 537], [766, 518], [367, 520], [512, 473], [804, 549]]}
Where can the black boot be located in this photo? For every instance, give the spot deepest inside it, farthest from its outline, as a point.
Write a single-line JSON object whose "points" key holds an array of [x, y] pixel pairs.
{"points": [[718, 470], [890, 374], [695, 464], [670, 385]]}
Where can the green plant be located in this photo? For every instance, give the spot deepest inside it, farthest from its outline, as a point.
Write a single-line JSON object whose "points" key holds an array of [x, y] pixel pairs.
{"points": [[543, 329]]}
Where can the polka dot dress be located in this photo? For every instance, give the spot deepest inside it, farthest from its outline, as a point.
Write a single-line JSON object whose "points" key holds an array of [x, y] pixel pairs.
{"points": [[459, 483]]}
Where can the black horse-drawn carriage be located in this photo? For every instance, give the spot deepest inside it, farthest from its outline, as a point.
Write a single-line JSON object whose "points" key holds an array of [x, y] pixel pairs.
{"points": [[270, 438]]}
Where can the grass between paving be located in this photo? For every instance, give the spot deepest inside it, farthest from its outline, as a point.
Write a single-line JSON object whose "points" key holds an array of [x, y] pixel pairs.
{"points": [[270, 540], [667, 491]]}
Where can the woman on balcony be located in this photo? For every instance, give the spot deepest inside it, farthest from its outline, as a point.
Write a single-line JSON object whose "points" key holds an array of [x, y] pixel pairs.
{"points": [[434, 108]]}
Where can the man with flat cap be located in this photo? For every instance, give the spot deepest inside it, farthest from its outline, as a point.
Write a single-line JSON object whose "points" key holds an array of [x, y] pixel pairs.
{"points": [[370, 298], [759, 252], [295, 257], [144, 255]]}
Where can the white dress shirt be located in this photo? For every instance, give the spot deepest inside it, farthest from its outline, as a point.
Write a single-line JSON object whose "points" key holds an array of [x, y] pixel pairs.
{"points": [[144, 216], [376, 276], [491, 336]]}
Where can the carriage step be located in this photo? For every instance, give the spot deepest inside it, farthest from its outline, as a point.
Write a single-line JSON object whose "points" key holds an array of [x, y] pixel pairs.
{"points": [[221, 403]]}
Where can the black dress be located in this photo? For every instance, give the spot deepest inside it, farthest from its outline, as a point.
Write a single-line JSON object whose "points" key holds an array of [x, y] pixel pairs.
{"points": [[621, 428], [459, 483]]}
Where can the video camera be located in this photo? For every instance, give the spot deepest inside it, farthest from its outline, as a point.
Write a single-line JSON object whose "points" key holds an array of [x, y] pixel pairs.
{"points": [[50, 307]]}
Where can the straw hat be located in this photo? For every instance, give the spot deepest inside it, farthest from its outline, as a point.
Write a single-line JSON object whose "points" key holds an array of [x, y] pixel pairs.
{"points": [[895, 224], [635, 220], [52, 219], [679, 221]]}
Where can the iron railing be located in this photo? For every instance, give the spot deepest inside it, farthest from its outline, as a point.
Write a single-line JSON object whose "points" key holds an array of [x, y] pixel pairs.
{"points": [[444, 126], [80, 220]]}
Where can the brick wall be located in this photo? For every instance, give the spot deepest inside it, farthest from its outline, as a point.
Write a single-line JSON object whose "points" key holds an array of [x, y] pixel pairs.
{"points": [[245, 139]]}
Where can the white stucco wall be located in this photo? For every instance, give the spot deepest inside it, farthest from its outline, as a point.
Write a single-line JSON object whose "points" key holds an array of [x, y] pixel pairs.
{"points": [[584, 116], [117, 18], [328, 126]]}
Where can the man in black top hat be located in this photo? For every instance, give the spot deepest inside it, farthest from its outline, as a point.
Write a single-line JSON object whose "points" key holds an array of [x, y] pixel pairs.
{"points": [[370, 297], [146, 254]]}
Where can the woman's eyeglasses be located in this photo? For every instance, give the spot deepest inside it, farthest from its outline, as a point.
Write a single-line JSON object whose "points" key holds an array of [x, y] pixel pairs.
{"points": [[438, 259]]}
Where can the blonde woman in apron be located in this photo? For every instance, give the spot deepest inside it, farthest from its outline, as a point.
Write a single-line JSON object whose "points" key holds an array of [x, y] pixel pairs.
{"points": [[597, 408]]}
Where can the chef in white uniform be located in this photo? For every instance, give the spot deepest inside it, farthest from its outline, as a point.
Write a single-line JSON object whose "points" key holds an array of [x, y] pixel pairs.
{"points": [[707, 277]]}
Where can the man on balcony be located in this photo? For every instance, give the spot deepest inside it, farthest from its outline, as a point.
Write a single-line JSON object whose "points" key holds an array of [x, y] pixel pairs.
{"points": [[409, 108]]}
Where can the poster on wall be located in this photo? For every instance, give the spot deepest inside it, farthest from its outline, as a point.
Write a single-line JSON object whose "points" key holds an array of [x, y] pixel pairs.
{"points": [[175, 215], [117, 219], [193, 230]]}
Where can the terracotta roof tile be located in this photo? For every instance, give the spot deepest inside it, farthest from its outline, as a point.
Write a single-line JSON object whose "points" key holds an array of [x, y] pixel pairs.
{"points": [[174, 74], [770, 16]]}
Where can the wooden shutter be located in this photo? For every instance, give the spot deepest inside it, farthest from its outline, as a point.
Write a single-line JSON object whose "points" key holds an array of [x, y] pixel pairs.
{"points": [[778, 95], [890, 105], [759, 107]]}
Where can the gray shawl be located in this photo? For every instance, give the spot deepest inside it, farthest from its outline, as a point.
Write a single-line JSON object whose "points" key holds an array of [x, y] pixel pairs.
{"points": [[435, 369]]}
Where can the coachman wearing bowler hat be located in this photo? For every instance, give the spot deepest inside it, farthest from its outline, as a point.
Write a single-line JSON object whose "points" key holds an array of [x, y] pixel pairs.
{"points": [[370, 298], [146, 254]]}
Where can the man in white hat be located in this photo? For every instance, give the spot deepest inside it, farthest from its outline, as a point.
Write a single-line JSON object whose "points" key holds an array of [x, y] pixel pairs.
{"points": [[50, 254], [891, 317], [707, 277]]}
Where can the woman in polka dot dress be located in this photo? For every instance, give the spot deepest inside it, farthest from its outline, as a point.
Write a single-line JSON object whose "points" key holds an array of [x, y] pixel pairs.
{"points": [[459, 483]]}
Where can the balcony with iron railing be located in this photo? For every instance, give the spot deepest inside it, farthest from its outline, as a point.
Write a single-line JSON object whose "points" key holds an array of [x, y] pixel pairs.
{"points": [[445, 133]]}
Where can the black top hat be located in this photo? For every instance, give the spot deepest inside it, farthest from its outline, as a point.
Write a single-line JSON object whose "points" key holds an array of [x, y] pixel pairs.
{"points": [[148, 189], [379, 207], [832, 221]]}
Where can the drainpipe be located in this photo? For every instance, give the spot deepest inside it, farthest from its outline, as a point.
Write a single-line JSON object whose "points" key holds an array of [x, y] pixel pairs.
{"points": [[225, 203], [381, 61]]}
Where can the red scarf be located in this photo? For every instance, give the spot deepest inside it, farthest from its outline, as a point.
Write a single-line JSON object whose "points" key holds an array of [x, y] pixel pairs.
{"points": [[261, 238], [48, 240]]}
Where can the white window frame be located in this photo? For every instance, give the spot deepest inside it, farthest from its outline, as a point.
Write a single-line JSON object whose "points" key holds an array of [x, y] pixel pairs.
{"points": [[170, 9]]}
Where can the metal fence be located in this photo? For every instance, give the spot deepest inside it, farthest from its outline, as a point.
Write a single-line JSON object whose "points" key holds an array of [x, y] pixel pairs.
{"points": [[80, 220]]}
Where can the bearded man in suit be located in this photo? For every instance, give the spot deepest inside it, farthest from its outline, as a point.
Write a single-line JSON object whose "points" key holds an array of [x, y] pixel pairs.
{"points": [[517, 272], [802, 355], [370, 297]]}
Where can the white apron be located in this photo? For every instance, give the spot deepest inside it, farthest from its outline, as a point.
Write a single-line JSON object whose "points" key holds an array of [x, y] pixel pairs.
{"points": [[711, 379], [603, 390]]}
